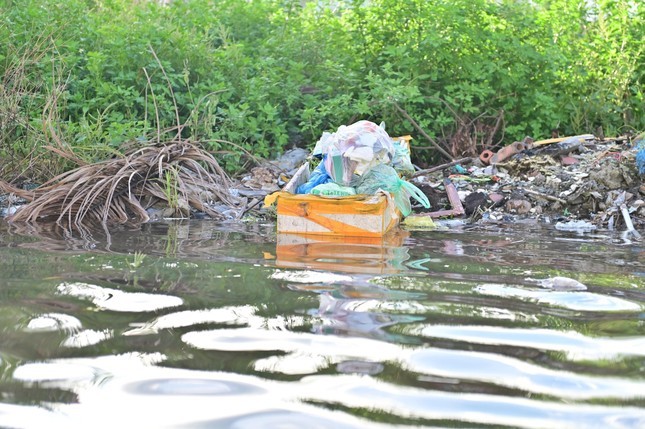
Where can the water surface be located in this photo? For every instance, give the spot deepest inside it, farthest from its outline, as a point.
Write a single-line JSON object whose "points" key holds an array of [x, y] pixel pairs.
{"points": [[201, 324]]}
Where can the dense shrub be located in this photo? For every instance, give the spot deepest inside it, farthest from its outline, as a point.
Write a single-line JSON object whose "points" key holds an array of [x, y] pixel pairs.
{"points": [[89, 76]]}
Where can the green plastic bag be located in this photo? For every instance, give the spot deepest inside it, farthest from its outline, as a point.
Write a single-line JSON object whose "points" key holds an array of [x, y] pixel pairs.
{"points": [[401, 161], [386, 178], [332, 189]]}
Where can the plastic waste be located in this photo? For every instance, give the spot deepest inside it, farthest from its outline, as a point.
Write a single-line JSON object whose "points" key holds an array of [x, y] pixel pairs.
{"points": [[567, 145], [419, 222], [292, 159], [8, 211], [640, 161], [317, 177], [577, 226], [561, 283], [640, 155], [458, 169], [576, 140], [331, 189], [402, 161], [353, 150], [385, 177]]}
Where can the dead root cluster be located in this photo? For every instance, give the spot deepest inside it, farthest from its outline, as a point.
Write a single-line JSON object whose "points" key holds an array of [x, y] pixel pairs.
{"points": [[177, 175]]}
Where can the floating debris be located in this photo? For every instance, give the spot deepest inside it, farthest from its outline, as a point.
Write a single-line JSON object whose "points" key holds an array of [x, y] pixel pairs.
{"points": [[561, 283], [575, 225]]}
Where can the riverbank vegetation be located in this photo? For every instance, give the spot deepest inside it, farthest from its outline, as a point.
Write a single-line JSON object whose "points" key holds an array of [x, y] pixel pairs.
{"points": [[86, 80]]}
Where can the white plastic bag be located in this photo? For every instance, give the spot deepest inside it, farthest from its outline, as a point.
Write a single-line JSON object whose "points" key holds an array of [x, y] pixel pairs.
{"points": [[353, 150]]}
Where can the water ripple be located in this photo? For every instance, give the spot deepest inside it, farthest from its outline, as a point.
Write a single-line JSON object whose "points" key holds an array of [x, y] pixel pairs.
{"points": [[240, 315], [576, 345], [117, 300], [514, 373], [580, 301], [51, 322], [368, 393]]}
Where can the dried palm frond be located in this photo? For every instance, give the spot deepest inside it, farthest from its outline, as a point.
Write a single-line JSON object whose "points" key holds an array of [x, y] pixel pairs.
{"points": [[119, 190]]}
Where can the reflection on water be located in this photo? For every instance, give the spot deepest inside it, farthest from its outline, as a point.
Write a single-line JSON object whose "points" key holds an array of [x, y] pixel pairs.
{"points": [[367, 255], [199, 324]]}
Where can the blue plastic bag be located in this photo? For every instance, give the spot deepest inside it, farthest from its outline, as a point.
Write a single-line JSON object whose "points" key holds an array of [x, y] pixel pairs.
{"points": [[317, 177], [640, 155]]}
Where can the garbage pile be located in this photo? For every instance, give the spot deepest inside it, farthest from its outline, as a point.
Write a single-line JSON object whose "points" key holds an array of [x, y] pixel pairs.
{"points": [[363, 159], [579, 182]]}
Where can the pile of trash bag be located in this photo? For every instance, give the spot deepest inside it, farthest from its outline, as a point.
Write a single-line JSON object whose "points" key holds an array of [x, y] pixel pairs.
{"points": [[363, 159]]}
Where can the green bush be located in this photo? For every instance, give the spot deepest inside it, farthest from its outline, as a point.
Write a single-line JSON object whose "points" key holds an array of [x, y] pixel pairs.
{"points": [[263, 75]]}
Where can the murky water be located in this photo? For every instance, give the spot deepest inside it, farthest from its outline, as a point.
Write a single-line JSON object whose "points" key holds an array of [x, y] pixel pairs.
{"points": [[198, 324]]}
